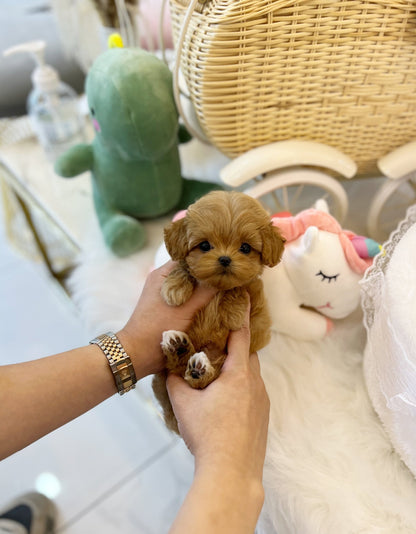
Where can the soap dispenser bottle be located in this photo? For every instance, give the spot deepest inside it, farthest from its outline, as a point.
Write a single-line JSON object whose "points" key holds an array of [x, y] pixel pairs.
{"points": [[52, 105]]}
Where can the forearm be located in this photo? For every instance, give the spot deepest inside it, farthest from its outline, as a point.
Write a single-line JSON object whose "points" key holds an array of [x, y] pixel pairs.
{"points": [[220, 501], [36, 397]]}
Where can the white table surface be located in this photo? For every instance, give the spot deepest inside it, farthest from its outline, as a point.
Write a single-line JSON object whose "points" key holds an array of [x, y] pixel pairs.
{"points": [[66, 202]]}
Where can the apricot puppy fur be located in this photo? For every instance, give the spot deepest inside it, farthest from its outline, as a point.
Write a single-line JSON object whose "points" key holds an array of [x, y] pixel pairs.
{"points": [[224, 241]]}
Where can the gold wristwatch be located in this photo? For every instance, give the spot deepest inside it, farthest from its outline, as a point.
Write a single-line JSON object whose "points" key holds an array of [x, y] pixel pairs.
{"points": [[120, 363]]}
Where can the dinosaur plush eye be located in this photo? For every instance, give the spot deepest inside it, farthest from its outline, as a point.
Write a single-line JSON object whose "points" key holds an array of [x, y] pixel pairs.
{"points": [[92, 111], [204, 246], [245, 248]]}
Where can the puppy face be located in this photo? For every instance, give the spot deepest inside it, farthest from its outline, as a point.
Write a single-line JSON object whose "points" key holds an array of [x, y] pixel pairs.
{"points": [[225, 239]]}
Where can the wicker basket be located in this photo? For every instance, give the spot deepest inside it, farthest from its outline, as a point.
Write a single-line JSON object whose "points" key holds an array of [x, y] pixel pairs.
{"points": [[339, 72]]}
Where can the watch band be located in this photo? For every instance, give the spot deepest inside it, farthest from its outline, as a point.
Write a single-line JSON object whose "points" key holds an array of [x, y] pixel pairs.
{"points": [[120, 363]]}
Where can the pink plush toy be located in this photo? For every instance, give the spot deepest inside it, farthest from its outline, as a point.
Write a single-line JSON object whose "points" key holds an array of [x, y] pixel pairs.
{"points": [[318, 276]]}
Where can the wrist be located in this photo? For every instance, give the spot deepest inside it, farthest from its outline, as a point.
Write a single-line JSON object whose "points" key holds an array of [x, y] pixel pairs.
{"points": [[132, 349], [238, 480], [241, 461], [235, 498], [220, 502]]}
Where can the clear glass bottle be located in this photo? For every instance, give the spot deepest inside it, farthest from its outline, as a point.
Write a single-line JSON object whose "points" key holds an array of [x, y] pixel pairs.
{"points": [[53, 106]]}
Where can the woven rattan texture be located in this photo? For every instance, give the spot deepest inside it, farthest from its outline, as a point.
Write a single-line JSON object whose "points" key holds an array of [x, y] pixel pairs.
{"points": [[338, 72]]}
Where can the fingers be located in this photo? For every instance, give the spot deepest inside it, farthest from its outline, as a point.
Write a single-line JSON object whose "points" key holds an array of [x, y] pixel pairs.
{"points": [[165, 269], [200, 296], [239, 344], [156, 277]]}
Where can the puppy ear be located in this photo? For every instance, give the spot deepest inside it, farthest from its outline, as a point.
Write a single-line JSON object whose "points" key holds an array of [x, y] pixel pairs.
{"points": [[273, 245], [176, 240]]}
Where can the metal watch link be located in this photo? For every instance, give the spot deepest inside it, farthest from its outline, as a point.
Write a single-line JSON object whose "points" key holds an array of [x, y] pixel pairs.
{"points": [[120, 363]]}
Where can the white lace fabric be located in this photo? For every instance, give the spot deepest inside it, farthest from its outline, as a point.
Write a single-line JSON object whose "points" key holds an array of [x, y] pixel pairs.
{"points": [[389, 305]]}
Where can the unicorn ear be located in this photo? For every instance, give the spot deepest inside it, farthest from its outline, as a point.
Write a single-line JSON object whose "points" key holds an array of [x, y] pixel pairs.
{"points": [[310, 239], [321, 205]]}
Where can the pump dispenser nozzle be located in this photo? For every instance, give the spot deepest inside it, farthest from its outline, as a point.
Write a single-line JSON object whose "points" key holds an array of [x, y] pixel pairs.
{"points": [[35, 48]]}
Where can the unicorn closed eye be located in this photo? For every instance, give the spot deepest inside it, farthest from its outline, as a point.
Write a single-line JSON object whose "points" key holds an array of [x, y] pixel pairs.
{"points": [[318, 276]]}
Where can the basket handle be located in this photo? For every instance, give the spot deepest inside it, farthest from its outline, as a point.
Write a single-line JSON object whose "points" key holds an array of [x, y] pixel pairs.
{"points": [[176, 91]]}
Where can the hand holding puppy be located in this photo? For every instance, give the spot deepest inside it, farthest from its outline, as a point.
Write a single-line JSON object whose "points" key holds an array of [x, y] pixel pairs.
{"points": [[227, 435], [150, 317], [219, 426]]}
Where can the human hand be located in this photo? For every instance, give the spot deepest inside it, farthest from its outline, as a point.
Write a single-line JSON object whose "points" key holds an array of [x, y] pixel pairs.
{"points": [[225, 425], [142, 334]]}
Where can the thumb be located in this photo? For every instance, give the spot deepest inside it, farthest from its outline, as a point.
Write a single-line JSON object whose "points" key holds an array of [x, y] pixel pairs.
{"points": [[239, 345]]}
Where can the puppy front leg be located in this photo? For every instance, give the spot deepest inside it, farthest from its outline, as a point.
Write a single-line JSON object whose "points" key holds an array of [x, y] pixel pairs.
{"points": [[177, 287], [234, 307]]}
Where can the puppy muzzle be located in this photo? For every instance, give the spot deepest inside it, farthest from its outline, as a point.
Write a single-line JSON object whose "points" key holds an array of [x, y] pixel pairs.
{"points": [[225, 261]]}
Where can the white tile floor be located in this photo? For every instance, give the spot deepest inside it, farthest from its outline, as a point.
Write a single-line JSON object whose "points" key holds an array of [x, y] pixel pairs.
{"points": [[116, 468]]}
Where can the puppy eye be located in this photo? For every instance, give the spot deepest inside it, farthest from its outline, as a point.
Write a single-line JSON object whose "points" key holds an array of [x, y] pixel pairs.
{"points": [[326, 277], [205, 246], [245, 248]]}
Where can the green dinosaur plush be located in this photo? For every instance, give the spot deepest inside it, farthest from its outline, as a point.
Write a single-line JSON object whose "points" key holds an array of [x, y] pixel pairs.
{"points": [[134, 157]]}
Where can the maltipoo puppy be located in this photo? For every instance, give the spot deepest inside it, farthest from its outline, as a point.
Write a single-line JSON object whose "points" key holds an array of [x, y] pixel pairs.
{"points": [[224, 241]]}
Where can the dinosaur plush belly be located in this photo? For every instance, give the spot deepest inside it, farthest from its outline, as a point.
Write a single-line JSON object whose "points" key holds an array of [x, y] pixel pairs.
{"points": [[141, 189]]}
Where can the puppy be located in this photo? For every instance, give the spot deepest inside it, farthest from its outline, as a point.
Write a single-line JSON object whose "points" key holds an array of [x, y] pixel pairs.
{"points": [[224, 241]]}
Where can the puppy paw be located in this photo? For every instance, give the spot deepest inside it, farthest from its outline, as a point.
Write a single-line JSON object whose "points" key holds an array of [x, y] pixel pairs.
{"points": [[177, 288], [176, 345], [199, 372]]}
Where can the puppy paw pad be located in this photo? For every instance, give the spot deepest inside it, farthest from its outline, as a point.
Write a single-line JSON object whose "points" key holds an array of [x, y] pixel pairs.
{"points": [[172, 339], [198, 366]]}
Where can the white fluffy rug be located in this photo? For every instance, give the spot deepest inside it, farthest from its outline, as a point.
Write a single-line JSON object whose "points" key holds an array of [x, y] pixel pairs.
{"points": [[330, 468]]}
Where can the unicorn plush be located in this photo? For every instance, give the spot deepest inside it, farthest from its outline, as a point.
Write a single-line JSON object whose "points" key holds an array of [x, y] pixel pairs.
{"points": [[318, 276]]}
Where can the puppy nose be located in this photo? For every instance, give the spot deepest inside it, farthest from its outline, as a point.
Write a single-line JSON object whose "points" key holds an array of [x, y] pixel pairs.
{"points": [[224, 260]]}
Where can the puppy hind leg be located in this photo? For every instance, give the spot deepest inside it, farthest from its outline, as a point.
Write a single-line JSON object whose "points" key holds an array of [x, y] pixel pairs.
{"points": [[161, 394], [199, 372], [202, 370]]}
